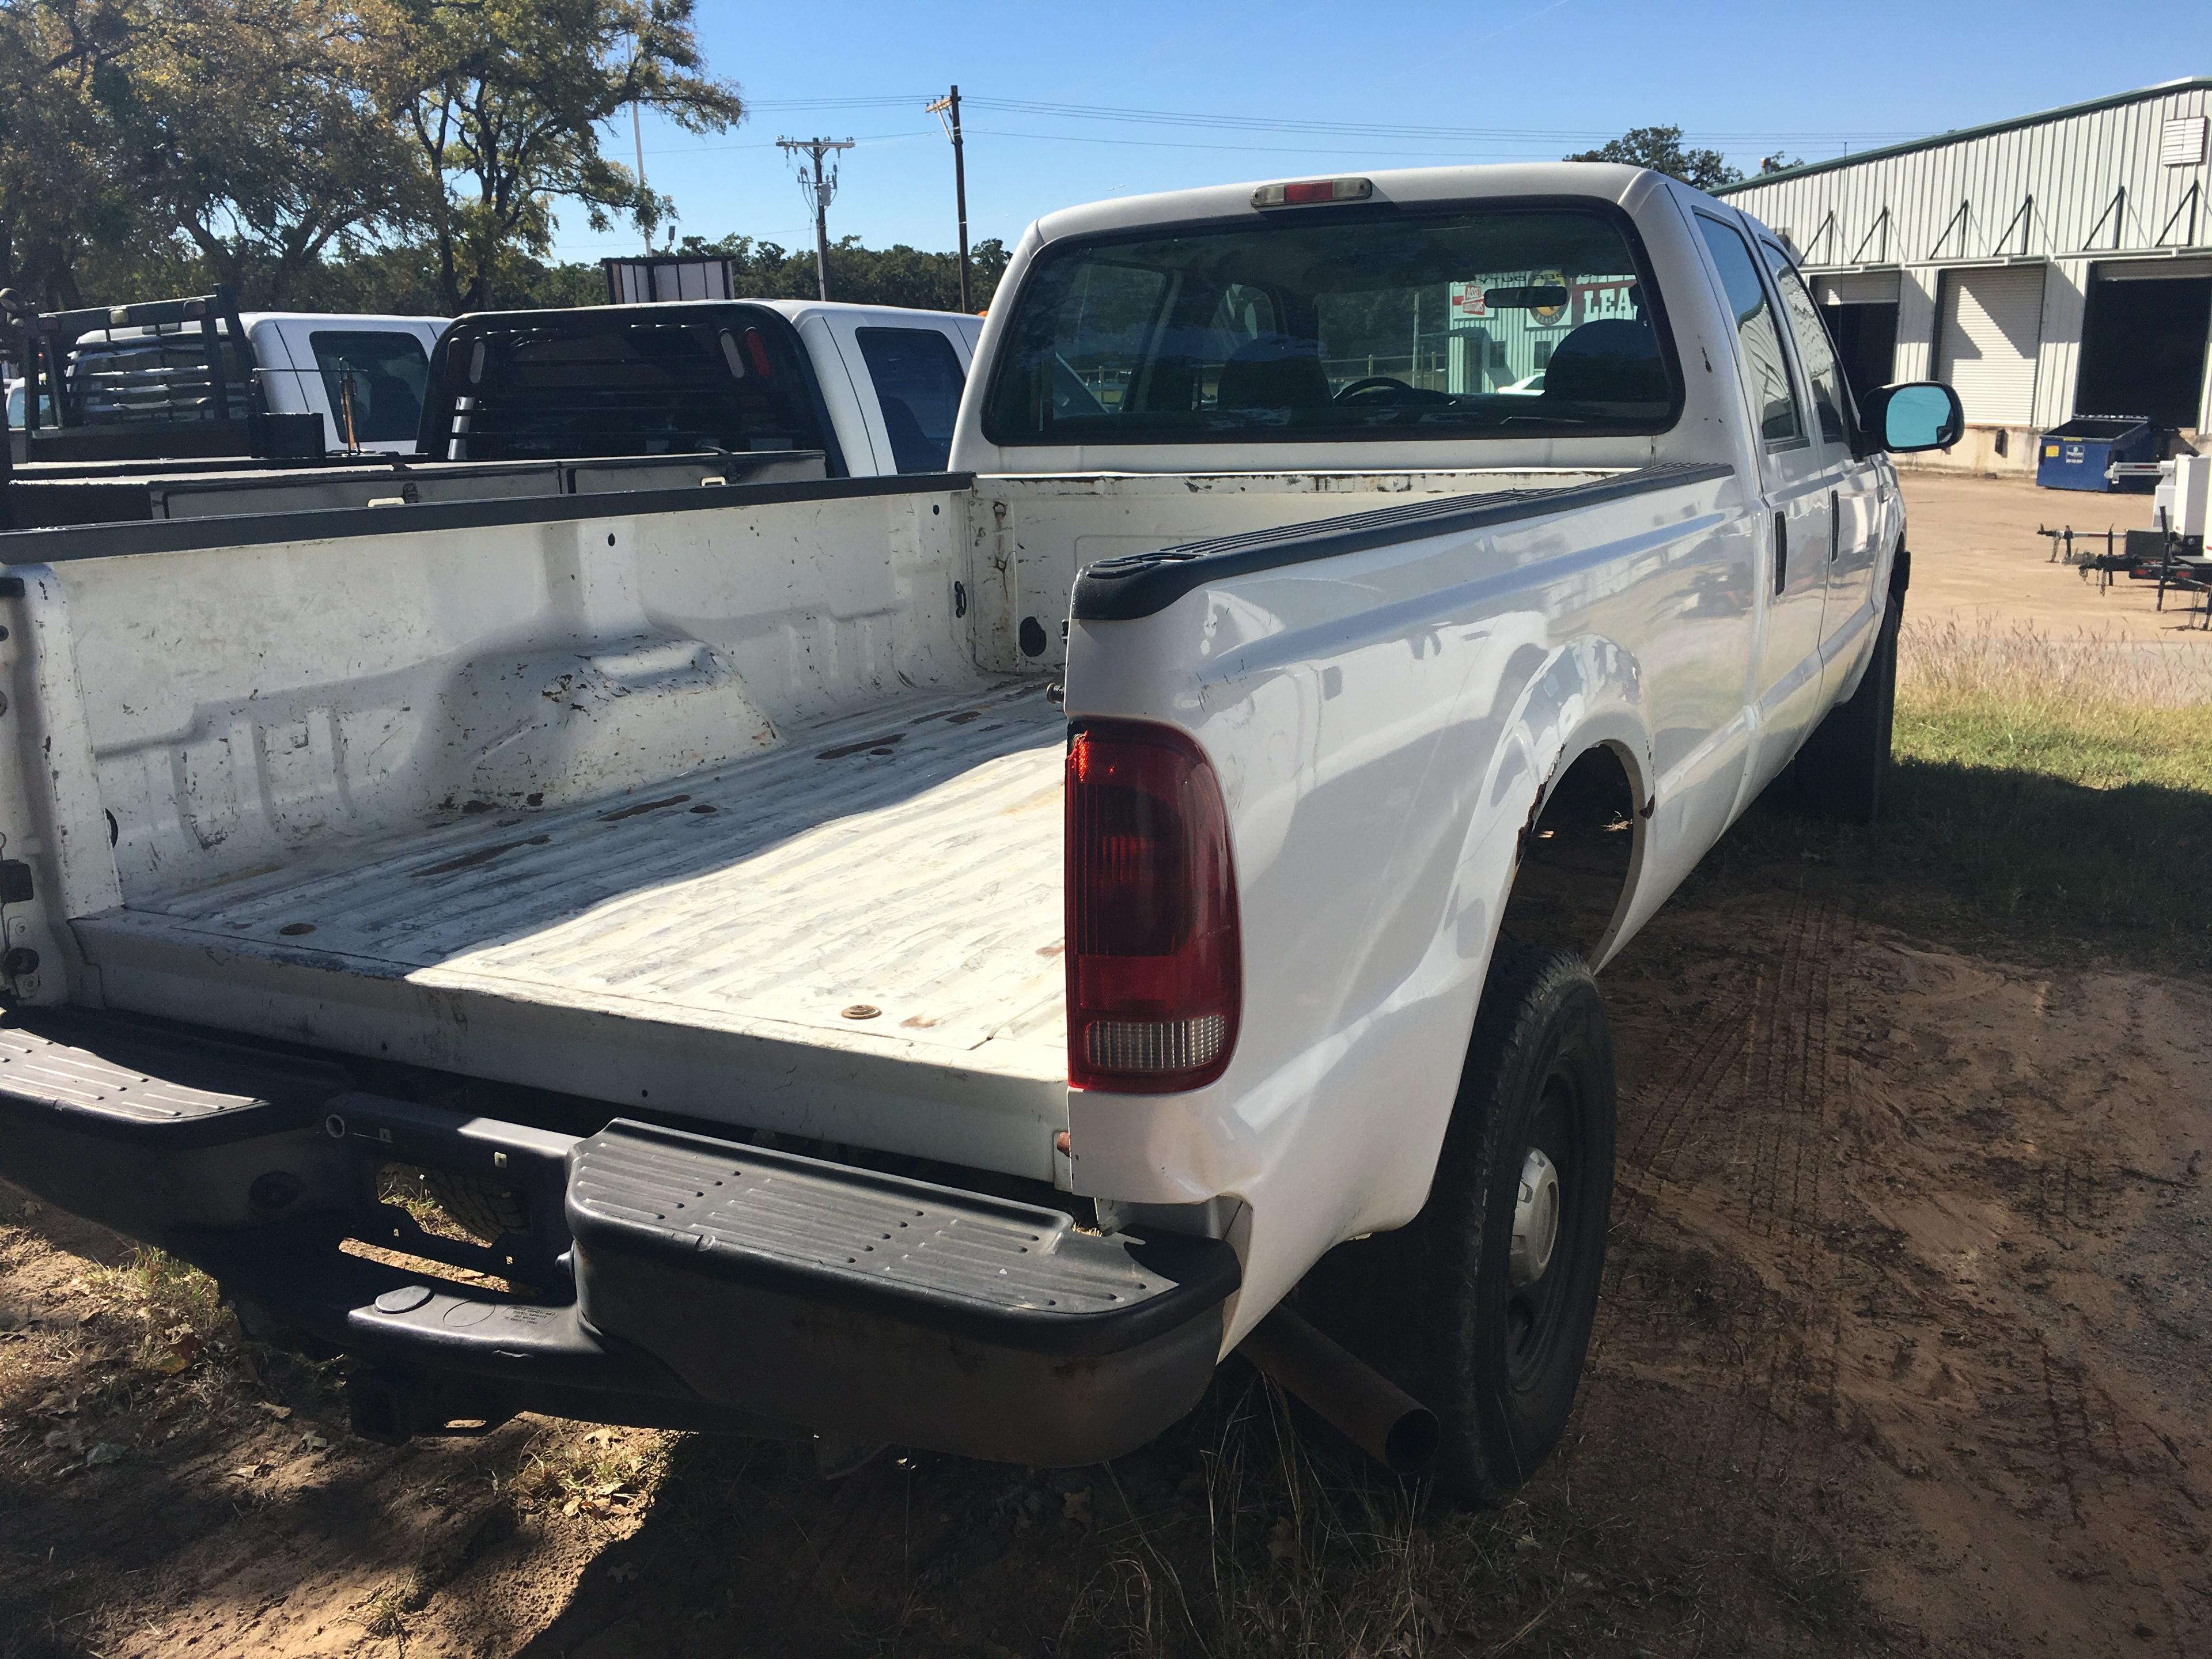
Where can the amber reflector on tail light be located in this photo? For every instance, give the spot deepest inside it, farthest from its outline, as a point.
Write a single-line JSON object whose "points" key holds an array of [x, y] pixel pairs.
{"points": [[1154, 968]]}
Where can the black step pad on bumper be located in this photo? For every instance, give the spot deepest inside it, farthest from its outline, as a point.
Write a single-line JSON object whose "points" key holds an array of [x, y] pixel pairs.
{"points": [[960, 1262], [675, 1279], [905, 1311], [146, 1128], [153, 1085]]}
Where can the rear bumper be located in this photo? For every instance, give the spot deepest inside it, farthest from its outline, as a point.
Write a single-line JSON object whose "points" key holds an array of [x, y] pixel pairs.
{"points": [[658, 1277]]}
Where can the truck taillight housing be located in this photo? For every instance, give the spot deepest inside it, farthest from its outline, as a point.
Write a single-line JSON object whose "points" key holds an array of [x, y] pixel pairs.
{"points": [[1155, 975]]}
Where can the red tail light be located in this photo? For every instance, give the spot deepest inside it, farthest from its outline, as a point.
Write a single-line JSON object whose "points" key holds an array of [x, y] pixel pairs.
{"points": [[1155, 975], [756, 349]]}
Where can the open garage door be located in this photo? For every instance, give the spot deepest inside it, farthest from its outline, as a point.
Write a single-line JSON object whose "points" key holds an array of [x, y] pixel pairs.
{"points": [[2143, 346], [1990, 323], [1861, 309]]}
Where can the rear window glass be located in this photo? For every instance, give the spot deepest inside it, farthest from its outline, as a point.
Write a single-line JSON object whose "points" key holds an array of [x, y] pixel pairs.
{"points": [[375, 375], [918, 379], [1487, 323], [616, 386], [154, 379]]}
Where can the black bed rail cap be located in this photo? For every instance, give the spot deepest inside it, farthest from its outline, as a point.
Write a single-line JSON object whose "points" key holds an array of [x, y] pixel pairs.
{"points": [[1141, 583]]}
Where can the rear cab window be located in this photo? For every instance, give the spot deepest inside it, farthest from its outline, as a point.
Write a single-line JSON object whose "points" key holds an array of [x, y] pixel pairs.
{"points": [[1504, 320], [918, 381], [374, 379], [614, 382]]}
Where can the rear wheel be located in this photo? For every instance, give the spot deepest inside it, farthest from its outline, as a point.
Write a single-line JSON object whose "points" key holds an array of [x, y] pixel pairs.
{"points": [[1482, 1307], [1843, 768]]}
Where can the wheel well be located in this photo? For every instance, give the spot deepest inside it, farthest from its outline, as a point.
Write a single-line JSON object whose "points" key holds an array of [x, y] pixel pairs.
{"points": [[1577, 855]]}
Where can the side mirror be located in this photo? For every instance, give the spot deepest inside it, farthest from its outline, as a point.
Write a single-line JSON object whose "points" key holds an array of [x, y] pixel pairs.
{"points": [[1916, 415]]}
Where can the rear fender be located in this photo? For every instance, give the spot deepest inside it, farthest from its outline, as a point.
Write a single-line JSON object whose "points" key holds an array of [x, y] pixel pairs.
{"points": [[1368, 1169], [1588, 696]]}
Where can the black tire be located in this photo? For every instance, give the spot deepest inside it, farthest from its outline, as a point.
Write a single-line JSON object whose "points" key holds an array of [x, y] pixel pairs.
{"points": [[487, 1213], [1435, 1304], [1843, 768]]}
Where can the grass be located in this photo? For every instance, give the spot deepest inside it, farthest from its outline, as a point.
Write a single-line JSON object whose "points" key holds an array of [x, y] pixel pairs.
{"points": [[178, 1309], [2068, 782]]}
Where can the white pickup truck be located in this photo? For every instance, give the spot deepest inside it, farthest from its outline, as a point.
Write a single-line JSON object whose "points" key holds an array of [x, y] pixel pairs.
{"points": [[940, 959], [516, 403], [875, 388]]}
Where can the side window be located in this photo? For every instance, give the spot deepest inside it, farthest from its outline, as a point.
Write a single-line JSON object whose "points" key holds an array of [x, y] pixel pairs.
{"points": [[380, 374], [918, 379], [1814, 350], [1764, 364]]}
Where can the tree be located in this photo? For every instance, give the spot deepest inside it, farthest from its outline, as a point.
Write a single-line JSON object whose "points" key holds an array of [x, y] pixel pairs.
{"points": [[61, 188], [896, 276], [1660, 149], [1778, 162], [502, 101], [249, 128]]}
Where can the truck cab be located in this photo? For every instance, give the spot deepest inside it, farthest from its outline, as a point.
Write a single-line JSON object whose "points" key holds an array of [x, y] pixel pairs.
{"points": [[365, 375], [875, 388]]}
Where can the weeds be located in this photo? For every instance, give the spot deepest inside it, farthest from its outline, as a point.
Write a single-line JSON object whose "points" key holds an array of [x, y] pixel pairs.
{"points": [[2066, 781], [598, 1475], [178, 1306], [383, 1617], [2064, 786]]}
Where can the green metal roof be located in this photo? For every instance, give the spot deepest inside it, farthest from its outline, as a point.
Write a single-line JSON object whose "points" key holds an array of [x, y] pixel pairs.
{"points": [[2167, 89]]}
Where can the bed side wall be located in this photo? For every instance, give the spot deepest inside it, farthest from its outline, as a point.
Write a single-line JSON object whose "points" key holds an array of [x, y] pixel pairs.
{"points": [[245, 700]]}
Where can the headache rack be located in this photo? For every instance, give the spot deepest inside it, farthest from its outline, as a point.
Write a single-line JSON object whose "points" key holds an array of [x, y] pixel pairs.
{"points": [[169, 378], [621, 380]]}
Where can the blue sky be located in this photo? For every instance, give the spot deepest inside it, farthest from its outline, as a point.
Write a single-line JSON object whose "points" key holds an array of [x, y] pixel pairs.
{"points": [[1522, 79]]}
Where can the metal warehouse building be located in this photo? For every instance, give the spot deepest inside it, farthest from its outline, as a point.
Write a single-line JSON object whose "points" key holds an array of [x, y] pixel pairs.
{"points": [[2054, 266]]}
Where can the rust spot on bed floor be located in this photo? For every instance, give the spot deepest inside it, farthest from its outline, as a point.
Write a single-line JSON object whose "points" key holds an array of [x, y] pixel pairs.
{"points": [[864, 746], [621, 813], [483, 855]]}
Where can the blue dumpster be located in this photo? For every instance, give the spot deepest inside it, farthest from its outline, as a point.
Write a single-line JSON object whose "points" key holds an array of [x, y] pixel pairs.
{"points": [[2074, 455]]}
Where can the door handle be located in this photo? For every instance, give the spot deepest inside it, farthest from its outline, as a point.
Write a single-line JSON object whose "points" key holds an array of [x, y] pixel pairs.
{"points": [[1781, 552], [1835, 527]]}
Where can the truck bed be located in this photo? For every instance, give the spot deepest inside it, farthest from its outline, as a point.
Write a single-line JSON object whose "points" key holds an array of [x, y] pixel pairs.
{"points": [[704, 945]]}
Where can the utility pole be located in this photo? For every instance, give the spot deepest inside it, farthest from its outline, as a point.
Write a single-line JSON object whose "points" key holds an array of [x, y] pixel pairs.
{"points": [[819, 189], [637, 136], [947, 110]]}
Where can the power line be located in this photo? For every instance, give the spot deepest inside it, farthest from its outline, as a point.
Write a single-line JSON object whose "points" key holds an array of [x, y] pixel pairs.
{"points": [[771, 143], [1378, 129], [1545, 152]]}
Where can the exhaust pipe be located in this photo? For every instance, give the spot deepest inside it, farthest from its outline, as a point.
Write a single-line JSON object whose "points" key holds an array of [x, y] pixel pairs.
{"points": [[1351, 1396]]}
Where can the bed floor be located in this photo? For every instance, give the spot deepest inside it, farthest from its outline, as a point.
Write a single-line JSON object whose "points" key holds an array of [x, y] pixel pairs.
{"points": [[906, 861]]}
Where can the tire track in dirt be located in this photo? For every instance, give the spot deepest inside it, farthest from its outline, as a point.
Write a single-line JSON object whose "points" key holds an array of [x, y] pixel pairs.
{"points": [[1733, 1147], [1790, 1077]]}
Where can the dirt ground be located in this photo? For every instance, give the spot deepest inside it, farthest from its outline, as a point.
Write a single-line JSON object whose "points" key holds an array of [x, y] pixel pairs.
{"points": [[1978, 561], [1906, 1349]]}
